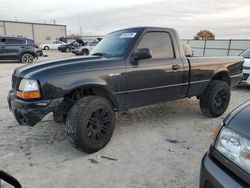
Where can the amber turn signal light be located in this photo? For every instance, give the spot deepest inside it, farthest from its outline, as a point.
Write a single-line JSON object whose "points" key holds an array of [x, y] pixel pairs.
{"points": [[215, 133], [28, 95]]}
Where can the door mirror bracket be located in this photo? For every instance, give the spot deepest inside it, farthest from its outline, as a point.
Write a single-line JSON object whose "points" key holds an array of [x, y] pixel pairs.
{"points": [[140, 54]]}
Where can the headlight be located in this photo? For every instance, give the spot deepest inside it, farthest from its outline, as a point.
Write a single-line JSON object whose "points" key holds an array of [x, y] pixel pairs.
{"points": [[235, 147], [28, 85], [28, 89]]}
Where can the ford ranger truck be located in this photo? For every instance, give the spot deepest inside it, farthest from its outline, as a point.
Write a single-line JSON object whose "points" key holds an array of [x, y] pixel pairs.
{"points": [[129, 68]]}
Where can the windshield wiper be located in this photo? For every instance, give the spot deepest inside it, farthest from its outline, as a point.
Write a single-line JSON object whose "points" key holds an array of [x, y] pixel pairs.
{"points": [[102, 54]]}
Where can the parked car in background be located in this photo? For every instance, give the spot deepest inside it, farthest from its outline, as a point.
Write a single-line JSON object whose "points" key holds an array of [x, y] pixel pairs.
{"points": [[68, 46], [17, 49], [85, 50], [51, 46], [89, 41], [189, 52], [227, 164], [246, 66]]}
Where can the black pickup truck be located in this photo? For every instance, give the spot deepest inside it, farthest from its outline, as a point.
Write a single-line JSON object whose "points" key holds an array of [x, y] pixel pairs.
{"points": [[129, 68]]}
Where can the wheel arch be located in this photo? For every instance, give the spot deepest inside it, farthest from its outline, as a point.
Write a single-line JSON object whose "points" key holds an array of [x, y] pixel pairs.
{"points": [[45, 47], [92, 89], [27, 52], [222, 76], [85, 49]]}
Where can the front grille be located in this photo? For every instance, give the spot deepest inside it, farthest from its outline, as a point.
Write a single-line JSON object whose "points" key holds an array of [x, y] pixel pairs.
{"points": [[245, 76]]}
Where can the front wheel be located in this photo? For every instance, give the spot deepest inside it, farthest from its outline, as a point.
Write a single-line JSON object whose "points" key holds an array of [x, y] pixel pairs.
{"points": [[68, 50], [27, 58], [216, 99], [90, 123]]}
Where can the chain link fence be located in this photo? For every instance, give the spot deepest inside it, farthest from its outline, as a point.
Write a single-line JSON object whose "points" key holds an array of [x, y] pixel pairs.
{"points": [[217, 47]]}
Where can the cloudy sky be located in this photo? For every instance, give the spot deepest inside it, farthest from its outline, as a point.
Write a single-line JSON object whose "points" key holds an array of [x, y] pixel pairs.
{"points": [[225, 18]]}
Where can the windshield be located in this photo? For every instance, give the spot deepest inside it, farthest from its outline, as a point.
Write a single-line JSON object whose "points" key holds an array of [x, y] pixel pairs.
{"points": [[115, 44], [246, 53]]}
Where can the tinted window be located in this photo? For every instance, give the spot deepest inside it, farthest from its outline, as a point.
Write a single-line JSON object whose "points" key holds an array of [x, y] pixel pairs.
{"points": [[2, 41], [30, 42], [159, 44], [15, 41]]}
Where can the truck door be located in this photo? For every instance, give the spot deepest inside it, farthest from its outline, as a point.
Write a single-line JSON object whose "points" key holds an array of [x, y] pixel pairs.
{"points": [[159, 78]]}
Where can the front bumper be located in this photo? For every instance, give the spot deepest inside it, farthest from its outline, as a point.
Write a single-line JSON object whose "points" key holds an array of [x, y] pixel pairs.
{"points": [[215, 175], [31, 112]]}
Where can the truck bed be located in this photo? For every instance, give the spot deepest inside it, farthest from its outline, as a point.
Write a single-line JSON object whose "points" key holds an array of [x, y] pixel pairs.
{"points": [[203, 69]]}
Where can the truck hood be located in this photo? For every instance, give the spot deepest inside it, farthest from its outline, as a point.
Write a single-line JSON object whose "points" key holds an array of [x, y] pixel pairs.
{"points": [[28, 70], [239, 120]]}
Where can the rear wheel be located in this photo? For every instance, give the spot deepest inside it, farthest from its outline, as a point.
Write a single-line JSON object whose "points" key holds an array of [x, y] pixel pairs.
{"points": [[27, 58], [90, 123], [46, 48], [85, 52], [216, 99]]}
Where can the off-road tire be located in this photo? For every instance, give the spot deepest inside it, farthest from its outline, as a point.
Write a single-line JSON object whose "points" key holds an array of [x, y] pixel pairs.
{"points": [[84, 130], [216, 99]]}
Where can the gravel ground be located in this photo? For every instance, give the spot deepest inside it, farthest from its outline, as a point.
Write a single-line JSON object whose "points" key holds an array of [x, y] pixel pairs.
{"points": [[41, 156]]}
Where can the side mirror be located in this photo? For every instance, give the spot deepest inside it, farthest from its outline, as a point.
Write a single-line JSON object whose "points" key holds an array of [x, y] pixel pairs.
{"points": [[8, 180], [140, 54]]}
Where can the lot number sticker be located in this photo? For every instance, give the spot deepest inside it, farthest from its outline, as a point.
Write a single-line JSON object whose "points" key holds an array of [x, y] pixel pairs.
{"points": [[128, 35]]}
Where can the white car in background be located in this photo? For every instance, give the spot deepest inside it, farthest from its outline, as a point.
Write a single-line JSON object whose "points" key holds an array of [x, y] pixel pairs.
{"points": [[189, 52], [246, 66], [84, 50], [51, 46]]}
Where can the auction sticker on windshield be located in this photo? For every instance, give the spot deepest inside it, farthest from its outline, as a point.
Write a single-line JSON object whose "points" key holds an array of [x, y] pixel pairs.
{"points": [[128, 35]]}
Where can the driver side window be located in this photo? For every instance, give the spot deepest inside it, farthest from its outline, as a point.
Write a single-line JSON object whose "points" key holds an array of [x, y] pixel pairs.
{"points": [[159, 45]]}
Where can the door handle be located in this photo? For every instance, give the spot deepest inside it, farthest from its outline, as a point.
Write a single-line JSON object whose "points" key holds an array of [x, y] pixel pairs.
{"points": [[176, 67]]}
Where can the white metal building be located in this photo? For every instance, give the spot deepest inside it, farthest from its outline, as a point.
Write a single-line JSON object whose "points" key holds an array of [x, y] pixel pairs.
{"points": [[39, 32]]}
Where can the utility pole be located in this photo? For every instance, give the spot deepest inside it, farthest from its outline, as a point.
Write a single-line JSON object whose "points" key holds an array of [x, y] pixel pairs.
{"points": [[80, 25], [81, 31], [54, 21]]}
